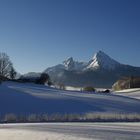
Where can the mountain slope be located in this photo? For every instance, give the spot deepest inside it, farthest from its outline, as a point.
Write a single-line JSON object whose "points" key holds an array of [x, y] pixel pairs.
{"points": [[100, 71], [70, 64], [101, 60]]}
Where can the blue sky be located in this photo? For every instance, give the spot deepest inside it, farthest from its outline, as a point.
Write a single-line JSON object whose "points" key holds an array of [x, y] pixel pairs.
{"points": [[37, 34]]}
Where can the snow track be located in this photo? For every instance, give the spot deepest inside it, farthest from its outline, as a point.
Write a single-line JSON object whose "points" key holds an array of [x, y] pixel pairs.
{"points": [[71, 131]]}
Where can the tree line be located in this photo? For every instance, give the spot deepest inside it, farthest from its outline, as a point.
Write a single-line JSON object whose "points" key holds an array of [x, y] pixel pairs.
{"points": [[88, 117], [8, 72]]}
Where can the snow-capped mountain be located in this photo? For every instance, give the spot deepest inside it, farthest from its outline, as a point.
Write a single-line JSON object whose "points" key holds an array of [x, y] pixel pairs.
{"points": [[100, 71], [101, 60], [70, 64]]}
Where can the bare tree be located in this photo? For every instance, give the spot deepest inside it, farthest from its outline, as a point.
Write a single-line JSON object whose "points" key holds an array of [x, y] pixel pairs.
{"points": [[5, 65]]}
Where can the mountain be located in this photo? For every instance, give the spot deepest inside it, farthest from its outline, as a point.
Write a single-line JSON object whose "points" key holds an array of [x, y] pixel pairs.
{"points": [[70, 64], [30, 76], [100, 71], [101, 60]]}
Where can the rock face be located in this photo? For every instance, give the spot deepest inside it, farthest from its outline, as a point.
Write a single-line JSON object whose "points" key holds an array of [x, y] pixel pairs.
{"points": [[100, 71]]}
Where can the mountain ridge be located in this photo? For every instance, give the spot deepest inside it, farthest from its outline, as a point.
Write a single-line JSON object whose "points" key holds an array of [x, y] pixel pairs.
{"points": [[95, 62], [100, 71]]}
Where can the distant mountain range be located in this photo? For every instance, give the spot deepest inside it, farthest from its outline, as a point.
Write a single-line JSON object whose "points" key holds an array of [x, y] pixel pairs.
{"points": [[30, 75], [100, 71]]}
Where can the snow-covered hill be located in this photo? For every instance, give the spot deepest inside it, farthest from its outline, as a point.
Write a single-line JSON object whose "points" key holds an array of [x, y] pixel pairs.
{"points": [[31, 98]]}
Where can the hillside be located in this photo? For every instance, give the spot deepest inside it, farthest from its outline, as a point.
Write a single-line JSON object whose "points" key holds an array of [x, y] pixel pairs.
{"points": [[30, 98]]}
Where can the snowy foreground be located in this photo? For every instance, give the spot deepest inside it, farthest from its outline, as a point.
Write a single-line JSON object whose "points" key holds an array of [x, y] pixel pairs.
{"points": [[25, 98], [28, 98], [70, 131]]}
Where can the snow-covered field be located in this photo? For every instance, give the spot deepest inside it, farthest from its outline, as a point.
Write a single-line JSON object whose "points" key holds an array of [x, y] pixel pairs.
{"points": [[19, 134], [25, 98], [70, 131]]}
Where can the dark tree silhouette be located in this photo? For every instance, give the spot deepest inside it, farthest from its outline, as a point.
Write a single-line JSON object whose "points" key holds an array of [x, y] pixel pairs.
{"points": [[44, 79]]}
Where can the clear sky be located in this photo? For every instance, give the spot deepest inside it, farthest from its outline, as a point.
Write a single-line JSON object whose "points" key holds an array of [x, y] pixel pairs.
{"points": [[37, 34]]}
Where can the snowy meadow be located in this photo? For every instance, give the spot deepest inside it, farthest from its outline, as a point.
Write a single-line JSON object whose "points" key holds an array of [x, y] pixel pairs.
{"points": [[28, 102]]}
